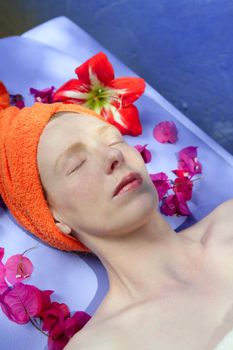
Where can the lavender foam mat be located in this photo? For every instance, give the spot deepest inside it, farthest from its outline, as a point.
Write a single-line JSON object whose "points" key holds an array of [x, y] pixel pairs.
{"points": [[37, 60]]}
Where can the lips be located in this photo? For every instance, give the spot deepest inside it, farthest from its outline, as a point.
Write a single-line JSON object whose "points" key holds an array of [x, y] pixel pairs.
{"points": [[126, 180]]}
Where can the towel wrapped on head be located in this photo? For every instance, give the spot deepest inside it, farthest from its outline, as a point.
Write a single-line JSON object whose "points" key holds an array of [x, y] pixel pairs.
{"points": [[20, 184]]}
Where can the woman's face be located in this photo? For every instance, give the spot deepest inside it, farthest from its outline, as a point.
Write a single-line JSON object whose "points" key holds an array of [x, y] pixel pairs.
{"points": [[81, 182]]}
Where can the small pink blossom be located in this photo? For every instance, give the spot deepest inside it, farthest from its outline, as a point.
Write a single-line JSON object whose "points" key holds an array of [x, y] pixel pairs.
{"points": [[187, 160], [175, 204], [56, 312], [21, 302], [161, 182], [44, 96], [145, 153], [3, 284], [165, 132], [76, 322], [183, 184], [63, 331], [17, 100], [18, 267]]}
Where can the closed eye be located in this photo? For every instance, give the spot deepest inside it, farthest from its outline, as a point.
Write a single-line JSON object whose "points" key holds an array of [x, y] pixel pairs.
{"points": [[72, 171], [114, 143], [120, 140], [77, 167]]}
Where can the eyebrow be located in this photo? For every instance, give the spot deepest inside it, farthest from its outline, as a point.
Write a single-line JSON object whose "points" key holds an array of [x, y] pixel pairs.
{"points": [[77, 146]]}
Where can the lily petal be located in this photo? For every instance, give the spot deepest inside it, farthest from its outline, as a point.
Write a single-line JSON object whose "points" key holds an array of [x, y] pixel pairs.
{"points": [[4, 97], [100, 66], [133, 89], [72, 89], [125, 119]]}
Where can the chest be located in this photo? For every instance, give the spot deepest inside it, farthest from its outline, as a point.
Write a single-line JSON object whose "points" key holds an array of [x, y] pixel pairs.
{"points": [[197, 317]]}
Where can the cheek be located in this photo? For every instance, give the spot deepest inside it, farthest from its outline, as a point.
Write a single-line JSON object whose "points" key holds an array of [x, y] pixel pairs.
{"points": [[83, 188], [135, 158]]}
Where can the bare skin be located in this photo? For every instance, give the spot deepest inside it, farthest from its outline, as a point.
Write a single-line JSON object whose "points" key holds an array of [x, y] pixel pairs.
{"points": [[167, 290], [193, 316]]}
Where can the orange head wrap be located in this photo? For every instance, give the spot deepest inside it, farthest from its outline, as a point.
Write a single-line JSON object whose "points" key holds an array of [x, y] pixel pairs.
{"points": [[20, 185]]}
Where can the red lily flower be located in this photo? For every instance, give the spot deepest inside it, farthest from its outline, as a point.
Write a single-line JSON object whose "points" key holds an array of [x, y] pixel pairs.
{"points": [[97, 89]]}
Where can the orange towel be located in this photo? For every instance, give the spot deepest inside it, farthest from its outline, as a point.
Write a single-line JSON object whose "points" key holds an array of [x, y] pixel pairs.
{"points": [[20, 185]]}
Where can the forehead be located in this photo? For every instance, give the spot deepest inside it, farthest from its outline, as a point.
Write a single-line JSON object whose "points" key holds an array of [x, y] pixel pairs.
{"points": [[71, 118], [67, 125], [67, 128]]}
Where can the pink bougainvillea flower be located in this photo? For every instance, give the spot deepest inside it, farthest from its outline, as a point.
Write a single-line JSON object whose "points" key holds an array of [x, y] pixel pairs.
{"points": [[145, 153], [165, 132], [97, 89], [17, 100], [18, 267], [76, 322], [161, 182], [71, 325], [45, 300], [59, 343], [54, 316], [183, 185], [2, 251], [3, 284], [175, 204], [21, 302], [182, 173], [44, 96], [187, 160]]}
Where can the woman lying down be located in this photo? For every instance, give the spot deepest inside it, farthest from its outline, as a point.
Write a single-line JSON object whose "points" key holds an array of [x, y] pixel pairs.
{"points": [[64, 179]]}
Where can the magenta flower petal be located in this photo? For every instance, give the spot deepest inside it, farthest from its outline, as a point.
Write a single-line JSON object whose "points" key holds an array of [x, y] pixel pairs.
{"points": [[183, 185], [45, 299], [21, 302], [175, 204], [44, 96], [165, 132], [50, 316], [3, 284], [18, 268], [187, 160], [181, 173], [58, 343], [190, 151], [76, 322], [17, 100], [2, 250], [161, 182], [169, 205], [145, 153], [183, 207]]}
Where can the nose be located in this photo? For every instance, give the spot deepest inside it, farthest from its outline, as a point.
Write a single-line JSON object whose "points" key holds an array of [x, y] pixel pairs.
{"points": [[114, 158]]}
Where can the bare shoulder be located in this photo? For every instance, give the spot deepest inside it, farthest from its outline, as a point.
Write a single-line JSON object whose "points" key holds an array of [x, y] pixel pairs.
{"points": [[223, 221], [217, 225], [82, 340], [94, 338], [225, 210]]}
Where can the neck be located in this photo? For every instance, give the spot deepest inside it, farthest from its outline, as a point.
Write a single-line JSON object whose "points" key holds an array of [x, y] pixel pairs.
{"points": [[147, 263]]}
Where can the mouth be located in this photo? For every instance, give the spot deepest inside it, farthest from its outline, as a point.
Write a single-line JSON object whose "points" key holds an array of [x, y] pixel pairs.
{"points": [[129, 183]]}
